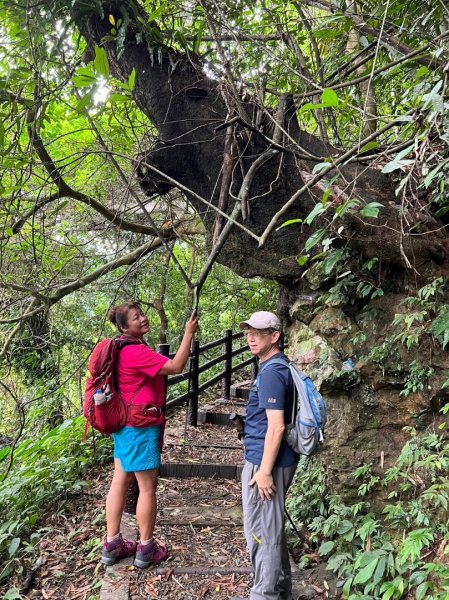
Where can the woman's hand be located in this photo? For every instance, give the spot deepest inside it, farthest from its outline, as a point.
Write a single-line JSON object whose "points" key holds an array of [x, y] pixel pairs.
{"points": [[192, 323], [177, 364]]}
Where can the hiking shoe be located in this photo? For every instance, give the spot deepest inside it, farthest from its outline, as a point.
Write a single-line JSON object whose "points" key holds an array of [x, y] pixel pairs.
{"points": [[153, 552], [117, 549]]}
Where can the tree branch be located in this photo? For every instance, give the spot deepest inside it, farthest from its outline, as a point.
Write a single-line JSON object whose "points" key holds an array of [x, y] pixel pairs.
{"points": [[379, 70], [335, 162], [360, 24], [128, 259], [31, 311], [65, 191]]}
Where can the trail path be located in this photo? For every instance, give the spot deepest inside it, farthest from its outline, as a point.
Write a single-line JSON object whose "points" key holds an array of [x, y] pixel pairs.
{"points": [[199, 517]]}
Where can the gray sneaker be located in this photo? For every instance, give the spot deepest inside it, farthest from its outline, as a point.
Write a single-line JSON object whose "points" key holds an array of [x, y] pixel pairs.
{"points": [[117, 549], [152, 553]]}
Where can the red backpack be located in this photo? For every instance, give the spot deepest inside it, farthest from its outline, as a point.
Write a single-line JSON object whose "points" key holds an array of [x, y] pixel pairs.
{"points": [[111, 416]]}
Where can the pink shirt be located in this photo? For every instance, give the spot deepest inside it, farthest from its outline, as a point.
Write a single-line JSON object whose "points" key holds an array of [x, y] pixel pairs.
{"points": [[137, 367]]}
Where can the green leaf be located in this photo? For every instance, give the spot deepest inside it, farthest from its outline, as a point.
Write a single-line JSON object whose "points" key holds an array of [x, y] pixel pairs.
{"points": [[303, 259], [13, 594], [119, 98], [132, 80], [433, 97], [13, 546], [85, 103], [308, 106], [341, 210], [4, 452], [389, 593], [395, 164], [101, 64], [380, 570], [345, 527], [332, 260], [369, 146], [347, 587], [318, 209], [421, 591], [365, 574], [326, 547], [319, 167], [81, 81], [329, 98], [371, 210], [422, 72], [440, 326], [314, 239], [289, 222], [431, 175]]}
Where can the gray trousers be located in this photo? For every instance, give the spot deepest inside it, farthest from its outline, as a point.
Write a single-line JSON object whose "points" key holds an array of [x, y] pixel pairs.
{"points": [[263, 522]]}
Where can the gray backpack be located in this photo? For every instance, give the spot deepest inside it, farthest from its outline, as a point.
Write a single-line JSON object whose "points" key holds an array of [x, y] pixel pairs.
{"points": [[306, 431]]}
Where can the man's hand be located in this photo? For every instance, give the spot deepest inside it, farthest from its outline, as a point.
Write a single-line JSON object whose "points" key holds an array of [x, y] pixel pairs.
{"points": [[264, 482]]}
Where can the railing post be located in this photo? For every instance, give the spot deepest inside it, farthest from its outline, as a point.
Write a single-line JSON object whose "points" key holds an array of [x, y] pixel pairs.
{"points": [[164, 349], [226, 381], [194, 384], [133, 489]]}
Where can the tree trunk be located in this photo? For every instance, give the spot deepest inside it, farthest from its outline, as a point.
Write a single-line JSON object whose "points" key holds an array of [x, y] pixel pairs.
{"points": [[175, 93]]}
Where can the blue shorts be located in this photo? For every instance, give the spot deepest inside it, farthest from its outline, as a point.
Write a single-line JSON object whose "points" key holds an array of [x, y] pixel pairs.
{"points": [[138, 448]]}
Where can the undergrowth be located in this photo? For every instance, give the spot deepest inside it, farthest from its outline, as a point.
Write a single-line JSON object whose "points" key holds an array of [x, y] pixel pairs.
{"points": [[401, 553], [37, 479]]}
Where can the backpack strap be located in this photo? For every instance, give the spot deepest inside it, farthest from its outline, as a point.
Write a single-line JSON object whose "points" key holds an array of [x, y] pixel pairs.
{"points": [[287, 363], [293, 371], [272, 361], [121, 341]]}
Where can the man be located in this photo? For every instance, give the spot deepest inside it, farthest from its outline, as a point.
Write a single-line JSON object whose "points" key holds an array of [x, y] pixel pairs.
{"points": [[269, 463]]}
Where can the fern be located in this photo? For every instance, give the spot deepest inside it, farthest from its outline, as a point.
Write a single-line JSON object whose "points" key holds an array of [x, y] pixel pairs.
{"points": [[440, 326]]}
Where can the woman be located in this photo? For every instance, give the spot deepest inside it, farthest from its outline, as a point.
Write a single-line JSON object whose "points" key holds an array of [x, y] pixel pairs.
{"points": [[137, 451]]}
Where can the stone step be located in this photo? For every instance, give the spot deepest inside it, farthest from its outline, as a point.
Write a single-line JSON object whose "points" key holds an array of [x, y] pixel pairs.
{"points": [[216, 471], [241, 389]]}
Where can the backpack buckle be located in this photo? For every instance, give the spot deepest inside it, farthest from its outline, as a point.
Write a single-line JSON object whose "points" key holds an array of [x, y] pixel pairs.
{"points": [[152, 409]]}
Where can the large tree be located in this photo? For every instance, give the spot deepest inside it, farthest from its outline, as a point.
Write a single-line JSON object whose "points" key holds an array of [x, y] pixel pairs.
{"points": [[228, 137], [309, 138], [258, 119]]}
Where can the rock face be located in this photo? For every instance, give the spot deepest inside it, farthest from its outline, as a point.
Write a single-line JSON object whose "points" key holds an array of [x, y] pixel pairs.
{"points": [[366, 400]]}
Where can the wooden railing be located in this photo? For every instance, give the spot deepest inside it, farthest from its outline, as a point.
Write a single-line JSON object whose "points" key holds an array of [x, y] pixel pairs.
{"points": [[195, 369]]}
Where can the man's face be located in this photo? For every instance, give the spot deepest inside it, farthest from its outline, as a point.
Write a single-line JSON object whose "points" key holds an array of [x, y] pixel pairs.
{"points": [[260, 341]]}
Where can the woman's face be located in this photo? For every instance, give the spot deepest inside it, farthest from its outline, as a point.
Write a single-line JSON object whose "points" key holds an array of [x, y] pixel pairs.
{"points": [[137, 324]]}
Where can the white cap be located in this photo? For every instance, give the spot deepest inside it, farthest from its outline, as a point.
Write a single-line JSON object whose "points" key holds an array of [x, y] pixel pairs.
{"points": [[262, 320]]}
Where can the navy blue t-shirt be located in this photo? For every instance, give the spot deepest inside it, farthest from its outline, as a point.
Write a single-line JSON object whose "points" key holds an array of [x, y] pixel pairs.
{"points": [[274, 392]]}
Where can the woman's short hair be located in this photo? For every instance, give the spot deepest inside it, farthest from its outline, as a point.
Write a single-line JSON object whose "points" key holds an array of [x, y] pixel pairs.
{"points": [[118, 315]]}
